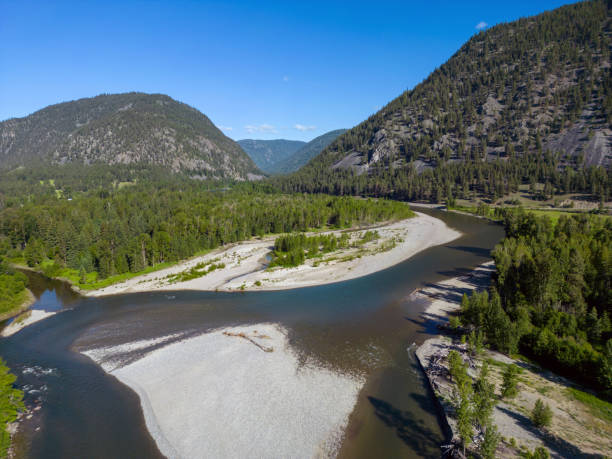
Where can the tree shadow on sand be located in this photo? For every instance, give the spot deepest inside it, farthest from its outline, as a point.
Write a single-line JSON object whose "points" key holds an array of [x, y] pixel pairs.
{"points": [[420, 438], [557, 445]]}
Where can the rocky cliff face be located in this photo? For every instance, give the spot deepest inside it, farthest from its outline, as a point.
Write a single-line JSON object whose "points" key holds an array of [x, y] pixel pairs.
{"points": [[522, 88]]}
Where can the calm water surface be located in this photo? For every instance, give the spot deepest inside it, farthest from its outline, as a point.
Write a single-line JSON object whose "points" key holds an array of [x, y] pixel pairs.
{"points": [[367, 324]]}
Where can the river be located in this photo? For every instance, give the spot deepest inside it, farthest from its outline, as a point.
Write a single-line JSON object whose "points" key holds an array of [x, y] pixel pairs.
{"points": [[367, 324]]}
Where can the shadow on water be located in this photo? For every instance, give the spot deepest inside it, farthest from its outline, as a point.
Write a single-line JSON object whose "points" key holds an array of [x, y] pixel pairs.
{"points": [[413, 433], [478, 251], [358, 324]]}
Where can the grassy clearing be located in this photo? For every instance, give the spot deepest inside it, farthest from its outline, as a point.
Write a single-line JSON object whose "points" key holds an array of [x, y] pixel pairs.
{"points": [[11, 304], [489, 212], [199, 270], [596, 406], [91, 282]]}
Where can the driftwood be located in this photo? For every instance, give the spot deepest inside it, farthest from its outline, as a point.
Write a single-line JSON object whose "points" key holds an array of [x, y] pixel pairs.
{"points": [[452, 450], [242, 335]]}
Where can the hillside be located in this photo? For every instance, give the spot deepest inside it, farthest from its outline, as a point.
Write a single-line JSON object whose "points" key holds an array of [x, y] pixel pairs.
{"points": [[306, 152], [132, 128], [527, 102], [267, 153]]}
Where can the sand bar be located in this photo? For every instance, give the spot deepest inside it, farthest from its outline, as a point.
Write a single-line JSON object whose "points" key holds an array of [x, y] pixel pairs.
{"points": [[221, 394], [245, 263], [30, 317]]}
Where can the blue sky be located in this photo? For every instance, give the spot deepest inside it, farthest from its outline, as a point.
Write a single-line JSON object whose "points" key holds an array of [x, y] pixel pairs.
{"points": [[258, 69]]}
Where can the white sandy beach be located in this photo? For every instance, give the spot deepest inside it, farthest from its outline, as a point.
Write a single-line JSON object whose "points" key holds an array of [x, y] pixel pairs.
{"points": [[245, 263], [33, 316], [220, 395], [445, 296]]}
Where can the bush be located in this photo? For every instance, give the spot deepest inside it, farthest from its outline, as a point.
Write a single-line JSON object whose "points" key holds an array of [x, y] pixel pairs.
{"points": [[454, 323], [539, 453], [541, 416], [11, 402], [510, 383], [490, 440]]}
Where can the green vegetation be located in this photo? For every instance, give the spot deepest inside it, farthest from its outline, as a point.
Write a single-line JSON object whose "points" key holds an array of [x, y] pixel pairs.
{"points": [[552, 295], [199, 270], [541, 416], [13, 290], [474, 403], [518, 104], [89, 280], [10, 405], [510, 384], [268, 153], [305, 153], [598, 408], [131, 128], [539, 453], [293, 249], [103, 235]]}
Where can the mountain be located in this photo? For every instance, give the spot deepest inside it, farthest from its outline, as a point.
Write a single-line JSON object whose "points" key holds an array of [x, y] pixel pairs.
{"points": [[132, 128], [306, 153], [523, 102], [266, 153]]}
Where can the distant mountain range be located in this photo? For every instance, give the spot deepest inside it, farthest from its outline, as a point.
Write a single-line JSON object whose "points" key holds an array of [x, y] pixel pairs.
{"points": [[124, 129], [301, 157], [267, 153], [284, 156]]}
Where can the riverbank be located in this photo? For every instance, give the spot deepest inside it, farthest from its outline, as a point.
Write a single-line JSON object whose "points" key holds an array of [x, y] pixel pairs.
{"points": [[243, 266], [23, 320], [578, 429], [27, 300], [234, 392]]}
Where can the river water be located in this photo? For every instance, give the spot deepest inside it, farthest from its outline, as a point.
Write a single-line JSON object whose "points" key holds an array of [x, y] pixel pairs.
{"points": [[368, 325]]}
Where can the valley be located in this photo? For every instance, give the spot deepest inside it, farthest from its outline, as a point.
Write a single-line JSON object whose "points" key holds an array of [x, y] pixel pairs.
{"points": [[434, 281]]}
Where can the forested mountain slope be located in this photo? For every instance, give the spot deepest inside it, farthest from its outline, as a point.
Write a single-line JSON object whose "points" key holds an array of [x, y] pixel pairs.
{"points": [[127, 128], [523, 102], [306, 152], [267, 153]]}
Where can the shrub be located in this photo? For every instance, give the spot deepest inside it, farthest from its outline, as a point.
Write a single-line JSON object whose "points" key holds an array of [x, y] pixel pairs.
{"points": [[510, 383], [541, 416]]}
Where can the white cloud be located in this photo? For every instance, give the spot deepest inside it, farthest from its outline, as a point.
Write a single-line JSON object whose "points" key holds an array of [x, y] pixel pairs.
{"points": [[285, 78], [226, 128], [301, 127], [481, 25], [252, 128]]}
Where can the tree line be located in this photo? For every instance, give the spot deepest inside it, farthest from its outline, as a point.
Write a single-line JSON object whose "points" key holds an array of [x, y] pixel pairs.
{"points": [[551, 297], [114, 231]]}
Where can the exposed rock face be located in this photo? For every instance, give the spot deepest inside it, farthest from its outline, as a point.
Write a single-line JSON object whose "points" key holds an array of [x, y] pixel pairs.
{"points": [[124, 129], [521, 88]]}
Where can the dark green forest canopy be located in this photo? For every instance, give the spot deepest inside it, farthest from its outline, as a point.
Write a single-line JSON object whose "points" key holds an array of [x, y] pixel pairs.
{"points": [[522, 102], [116, 230], [552, 295]]}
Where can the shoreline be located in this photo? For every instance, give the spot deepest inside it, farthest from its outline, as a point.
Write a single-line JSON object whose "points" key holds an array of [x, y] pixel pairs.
{"points": [[246, 380], [511, 416], [25, 304], [245, 266], [35, 315], [444, 298]]}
